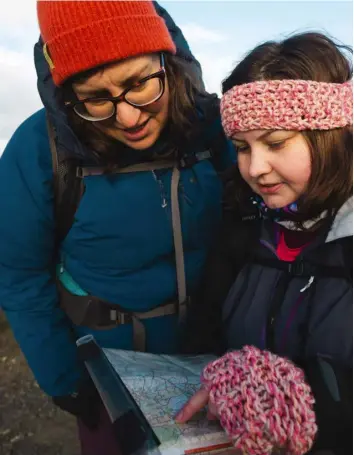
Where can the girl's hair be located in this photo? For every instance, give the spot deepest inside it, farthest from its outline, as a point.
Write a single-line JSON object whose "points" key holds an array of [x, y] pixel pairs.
{"points": [[185, 85], [307, 56]]}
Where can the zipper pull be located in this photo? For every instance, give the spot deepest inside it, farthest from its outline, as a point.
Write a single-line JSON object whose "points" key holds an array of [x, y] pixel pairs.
{"points": [[311, 280], [162, 190]]}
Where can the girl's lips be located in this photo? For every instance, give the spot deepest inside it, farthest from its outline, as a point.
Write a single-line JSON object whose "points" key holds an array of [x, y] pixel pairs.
{"points": [[270, 189], [136, 134]]}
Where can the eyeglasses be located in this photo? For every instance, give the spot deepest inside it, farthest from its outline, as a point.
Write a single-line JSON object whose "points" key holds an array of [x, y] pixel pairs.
{"points": [[146, 91]]}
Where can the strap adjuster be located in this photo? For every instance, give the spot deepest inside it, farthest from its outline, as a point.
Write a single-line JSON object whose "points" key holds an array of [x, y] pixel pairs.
{"points": [[296, 268], [187, 161], [119, 317], [191, 160]]}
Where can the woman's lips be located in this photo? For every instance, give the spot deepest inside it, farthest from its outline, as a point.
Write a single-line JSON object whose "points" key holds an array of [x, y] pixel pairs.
{"points": [[270, 189], [136, 134]]}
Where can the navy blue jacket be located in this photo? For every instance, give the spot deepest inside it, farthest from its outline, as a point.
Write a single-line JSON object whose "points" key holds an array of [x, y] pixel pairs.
{"points": [[303, 312]]}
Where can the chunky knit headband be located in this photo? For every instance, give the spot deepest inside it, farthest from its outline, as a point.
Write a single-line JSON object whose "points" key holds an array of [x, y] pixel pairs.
{"points": [[287, 105]]}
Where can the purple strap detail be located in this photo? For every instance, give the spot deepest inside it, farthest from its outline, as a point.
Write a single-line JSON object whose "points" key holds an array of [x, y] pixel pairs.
{"points": [[290, 320], [269, 246], [263, 338]]}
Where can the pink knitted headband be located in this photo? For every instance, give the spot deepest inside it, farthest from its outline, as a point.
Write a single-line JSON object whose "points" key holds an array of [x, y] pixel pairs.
{"points": [[287, 105]]}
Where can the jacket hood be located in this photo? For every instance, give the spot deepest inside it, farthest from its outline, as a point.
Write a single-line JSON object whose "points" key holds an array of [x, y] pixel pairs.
{"points": [[67, 142], [342, 225]]}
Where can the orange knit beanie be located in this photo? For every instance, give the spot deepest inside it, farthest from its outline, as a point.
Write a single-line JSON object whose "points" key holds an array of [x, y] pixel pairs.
{"points": [[79, 35]]}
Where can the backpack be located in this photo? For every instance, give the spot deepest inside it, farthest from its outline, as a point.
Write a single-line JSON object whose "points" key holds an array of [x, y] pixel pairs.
{"points": [[68, 189], [68, 178]]}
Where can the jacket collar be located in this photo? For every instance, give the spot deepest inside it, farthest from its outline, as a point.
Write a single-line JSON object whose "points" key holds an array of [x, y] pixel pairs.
{"points": [[342, 225]]}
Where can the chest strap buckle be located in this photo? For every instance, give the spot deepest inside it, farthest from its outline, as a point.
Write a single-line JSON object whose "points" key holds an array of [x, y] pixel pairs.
{"points": [[296, 268]]}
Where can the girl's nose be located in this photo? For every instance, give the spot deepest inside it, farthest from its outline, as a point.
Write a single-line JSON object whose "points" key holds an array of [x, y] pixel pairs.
{"points": [[259, 164]]}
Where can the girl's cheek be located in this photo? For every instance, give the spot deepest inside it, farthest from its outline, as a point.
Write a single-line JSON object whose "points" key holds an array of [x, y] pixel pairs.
{"points": [[308, 172], [304, 173]]}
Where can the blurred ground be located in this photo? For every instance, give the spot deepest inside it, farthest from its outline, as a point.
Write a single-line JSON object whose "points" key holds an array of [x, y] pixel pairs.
{"points": [[29, 423]]}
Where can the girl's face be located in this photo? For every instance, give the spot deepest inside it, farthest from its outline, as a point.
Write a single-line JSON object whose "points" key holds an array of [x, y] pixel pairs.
{"points": [[276, 164]]}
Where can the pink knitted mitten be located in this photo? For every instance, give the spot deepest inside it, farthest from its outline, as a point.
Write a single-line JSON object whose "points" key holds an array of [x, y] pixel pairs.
{"points": [[263, 402]]}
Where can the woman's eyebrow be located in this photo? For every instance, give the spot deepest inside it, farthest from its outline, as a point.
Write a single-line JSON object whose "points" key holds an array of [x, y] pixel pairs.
{"points": [[93, 92], [128, 80], [135, 76]]}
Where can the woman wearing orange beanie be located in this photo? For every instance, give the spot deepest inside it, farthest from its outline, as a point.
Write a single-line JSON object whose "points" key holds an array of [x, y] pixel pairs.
{"points": [[112, 239]]}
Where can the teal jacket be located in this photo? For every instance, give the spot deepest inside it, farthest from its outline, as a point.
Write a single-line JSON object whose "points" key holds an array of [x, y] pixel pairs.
{"points": [[120, 247]]}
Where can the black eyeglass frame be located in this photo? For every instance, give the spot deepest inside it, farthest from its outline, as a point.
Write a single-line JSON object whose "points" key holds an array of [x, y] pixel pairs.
{"points": [[160, 74]]}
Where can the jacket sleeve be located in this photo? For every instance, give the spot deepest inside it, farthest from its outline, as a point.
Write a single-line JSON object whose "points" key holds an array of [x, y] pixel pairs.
{"points": [[332, 387], [27, 290]]}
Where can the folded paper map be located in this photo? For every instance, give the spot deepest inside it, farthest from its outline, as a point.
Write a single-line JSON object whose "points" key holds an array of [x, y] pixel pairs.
{"points": [[160, 386]]}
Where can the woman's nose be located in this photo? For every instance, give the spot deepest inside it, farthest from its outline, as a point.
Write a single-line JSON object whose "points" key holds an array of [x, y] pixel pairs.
{"points": [[126, 115]]}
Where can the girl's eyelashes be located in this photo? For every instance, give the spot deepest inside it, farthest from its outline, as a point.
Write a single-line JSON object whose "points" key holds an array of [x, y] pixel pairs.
{"points": [[242, 148], [276, 145]]}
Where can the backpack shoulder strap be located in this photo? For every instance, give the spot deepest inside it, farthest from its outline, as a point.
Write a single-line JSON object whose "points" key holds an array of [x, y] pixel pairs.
{"points": [[212, 151], [347, 251], [68, 189], [53, 151], [302, 267]]}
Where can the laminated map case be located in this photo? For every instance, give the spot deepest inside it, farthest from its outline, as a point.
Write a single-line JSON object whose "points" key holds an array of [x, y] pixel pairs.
{"points": [[143, 392], [133, 431]]}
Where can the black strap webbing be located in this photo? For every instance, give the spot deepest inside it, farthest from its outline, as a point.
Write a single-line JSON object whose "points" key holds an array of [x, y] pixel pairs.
{"points": [[347, 251], [67, 188], [302, 268]]}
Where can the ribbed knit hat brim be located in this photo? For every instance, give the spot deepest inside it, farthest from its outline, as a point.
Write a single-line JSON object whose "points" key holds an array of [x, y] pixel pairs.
{"points": [[80, 35]]}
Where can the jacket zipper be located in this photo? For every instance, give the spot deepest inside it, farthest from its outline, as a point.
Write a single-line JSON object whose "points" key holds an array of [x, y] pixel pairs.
{"points": [[277, 301], [162, 189]]}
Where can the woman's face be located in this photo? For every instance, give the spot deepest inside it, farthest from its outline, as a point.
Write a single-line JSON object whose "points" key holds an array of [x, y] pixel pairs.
{"points": [[137, 127], [275, 164]]}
